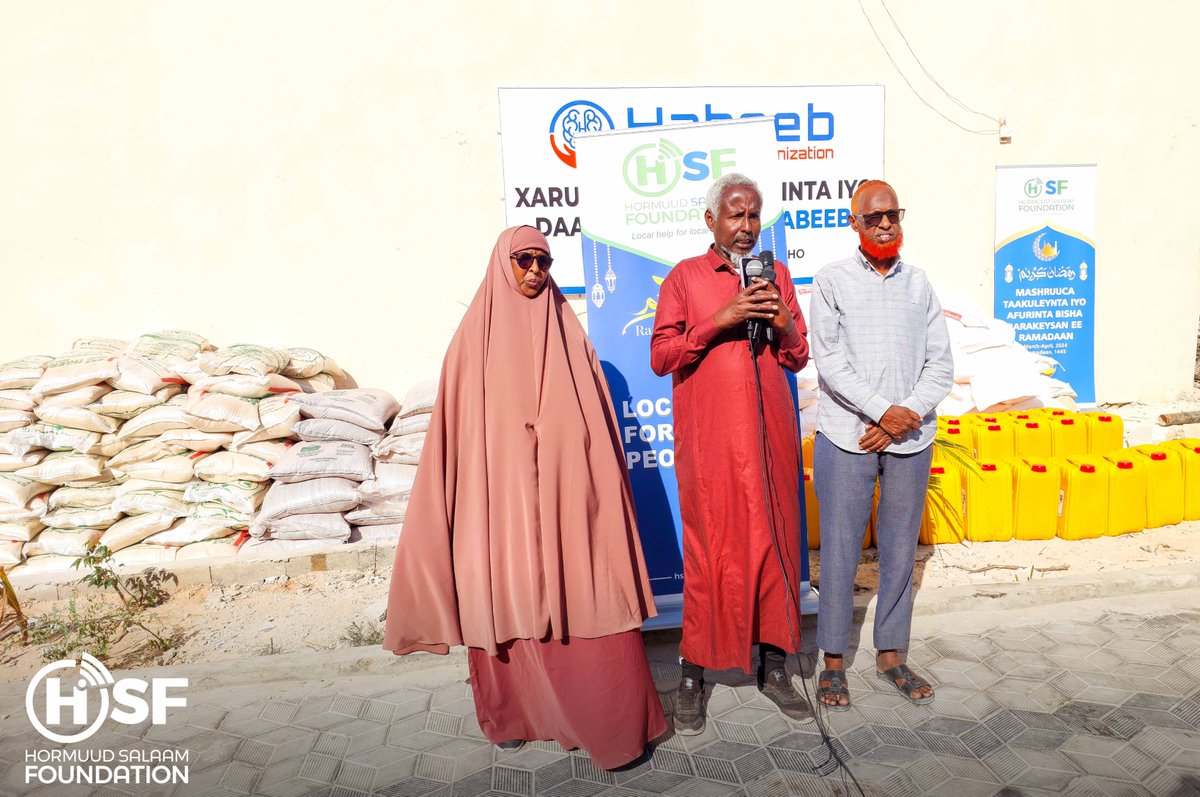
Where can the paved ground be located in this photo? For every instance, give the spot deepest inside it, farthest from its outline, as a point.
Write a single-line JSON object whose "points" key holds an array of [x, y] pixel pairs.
{"points": [[1096, 697]]}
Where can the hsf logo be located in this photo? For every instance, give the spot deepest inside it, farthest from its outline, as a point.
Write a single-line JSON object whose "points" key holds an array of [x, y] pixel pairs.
{"points": [[1037, 186], [652, 170], [64, 685]]}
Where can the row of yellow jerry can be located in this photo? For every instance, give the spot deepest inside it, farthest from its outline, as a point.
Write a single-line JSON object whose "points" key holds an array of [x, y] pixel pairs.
{"points": [[1039, 433], [1074, 497]]}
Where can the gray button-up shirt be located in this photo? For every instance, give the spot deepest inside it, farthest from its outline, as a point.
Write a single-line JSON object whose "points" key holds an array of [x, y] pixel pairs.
{"points": [[877, 340]]}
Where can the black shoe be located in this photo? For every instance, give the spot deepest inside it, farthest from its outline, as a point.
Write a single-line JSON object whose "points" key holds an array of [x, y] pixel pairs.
{"points": [[777, 686], [689, 707], [510, 746]]}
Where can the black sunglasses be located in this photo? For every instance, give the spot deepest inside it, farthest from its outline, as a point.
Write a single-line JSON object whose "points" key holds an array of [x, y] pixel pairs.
{"points": [[525, 260], [873, 219]]}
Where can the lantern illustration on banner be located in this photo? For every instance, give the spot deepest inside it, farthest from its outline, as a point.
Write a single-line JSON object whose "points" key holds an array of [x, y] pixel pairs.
{"points": [[1008, 273], [1083, 271], [597, 288]]}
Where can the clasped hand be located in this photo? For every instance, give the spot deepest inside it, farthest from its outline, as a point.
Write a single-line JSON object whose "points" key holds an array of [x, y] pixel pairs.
{"points": [[758, 302], [896, 423]]}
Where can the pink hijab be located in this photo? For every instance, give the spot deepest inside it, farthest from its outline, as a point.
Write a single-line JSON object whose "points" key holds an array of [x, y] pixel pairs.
{"points": [[521, 523]]}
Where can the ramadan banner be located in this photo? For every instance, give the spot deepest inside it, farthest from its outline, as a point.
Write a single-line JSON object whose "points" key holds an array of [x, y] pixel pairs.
{"points": [[643, 211], [1045, 267]]}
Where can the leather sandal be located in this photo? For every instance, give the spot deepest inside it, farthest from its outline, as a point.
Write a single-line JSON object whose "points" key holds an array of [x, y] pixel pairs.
{"points": [[836, 689], [912, 682]]}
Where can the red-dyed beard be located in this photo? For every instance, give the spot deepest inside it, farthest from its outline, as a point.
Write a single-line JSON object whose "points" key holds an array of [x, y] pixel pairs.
{"points": [[881, 251]]}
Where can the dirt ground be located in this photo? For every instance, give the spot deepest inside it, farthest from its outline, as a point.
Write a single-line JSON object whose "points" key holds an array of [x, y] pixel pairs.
{"points": [[319, 611]]}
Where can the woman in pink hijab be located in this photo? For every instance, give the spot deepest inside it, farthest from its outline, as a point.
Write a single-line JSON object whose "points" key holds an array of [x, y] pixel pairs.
{"points": [[520, 540]]}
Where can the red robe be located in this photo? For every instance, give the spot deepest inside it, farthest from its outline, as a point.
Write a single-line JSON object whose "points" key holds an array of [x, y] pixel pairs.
{"points": [[733, 590]]}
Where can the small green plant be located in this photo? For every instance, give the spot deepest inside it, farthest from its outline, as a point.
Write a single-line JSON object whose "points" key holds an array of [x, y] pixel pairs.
{"points": [[96, 625], [269, 649], [359, 635]]}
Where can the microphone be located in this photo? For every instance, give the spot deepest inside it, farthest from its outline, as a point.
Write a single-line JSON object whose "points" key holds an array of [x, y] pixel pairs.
{"points": [[751, 267], [768, 274]]}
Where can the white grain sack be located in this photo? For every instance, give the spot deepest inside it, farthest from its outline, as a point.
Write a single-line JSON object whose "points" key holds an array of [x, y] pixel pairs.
{"points": [[23, 373], [270, 451], [217, 412], [63, 467], [276, 416], [236, 496], [242, 358], [108, 445], [72, 518], [379, 512], [409, 424], [383, 533], [323, 526], [195, 440], [40, 565], [83, 497], [177, 469], [14, 419], [169, 346], [305, 461], [307, 363], [18, 490], [390, 481], [126, 404], [74, 417], [248, 386], [17, 399], [11, 553], [405, 450], [76, 369], [140, 555], [143, 375], [80, 397], [63, 543], [419, 398], [37, 506], [319, 430], [217, 513], [309, 497], [134, 485], [45, 435], [368, 408], [231, 466], [157, 420], [208, 549], [321, 383], [190, 530], [20, 530], [145, 502], [135, 528], [12, 462], [145, 451]]}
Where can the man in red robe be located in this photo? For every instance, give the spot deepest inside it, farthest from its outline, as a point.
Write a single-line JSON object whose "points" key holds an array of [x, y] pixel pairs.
{"points": [[738, 472]]}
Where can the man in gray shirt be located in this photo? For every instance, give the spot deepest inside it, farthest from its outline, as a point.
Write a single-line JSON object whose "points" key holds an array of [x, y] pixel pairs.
{"points": [[882, 352]]}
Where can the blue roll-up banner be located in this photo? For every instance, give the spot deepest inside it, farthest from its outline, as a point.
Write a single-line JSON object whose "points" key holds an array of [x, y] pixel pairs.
{"points": [[644, 212], [1045, 266]]}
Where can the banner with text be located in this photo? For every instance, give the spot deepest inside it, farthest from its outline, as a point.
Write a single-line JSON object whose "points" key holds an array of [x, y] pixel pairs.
{"points": [[824, 140], [643, 212], [1045, 266]]}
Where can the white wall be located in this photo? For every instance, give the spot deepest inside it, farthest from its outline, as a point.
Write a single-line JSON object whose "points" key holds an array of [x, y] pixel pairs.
{"points": [[329, 176]]}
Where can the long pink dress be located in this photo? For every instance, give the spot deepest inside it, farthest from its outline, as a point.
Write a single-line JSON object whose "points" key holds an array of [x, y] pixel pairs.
{"points": [[520, 539]]}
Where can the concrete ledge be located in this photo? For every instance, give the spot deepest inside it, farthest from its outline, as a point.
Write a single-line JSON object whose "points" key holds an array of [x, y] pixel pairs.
{"points": [[367, 556]]}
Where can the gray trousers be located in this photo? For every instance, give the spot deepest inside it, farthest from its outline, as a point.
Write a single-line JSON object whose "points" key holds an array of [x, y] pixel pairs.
{"points": [[845, 485]]}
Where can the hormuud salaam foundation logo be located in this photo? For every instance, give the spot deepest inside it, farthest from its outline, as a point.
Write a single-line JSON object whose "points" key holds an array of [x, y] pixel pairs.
{"points": [[577, 116]]}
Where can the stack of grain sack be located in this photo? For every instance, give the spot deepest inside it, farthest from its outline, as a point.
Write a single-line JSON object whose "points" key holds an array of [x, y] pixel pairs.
{"points": [[385, 497], [316, 495], [103, 445], [992, 372]]}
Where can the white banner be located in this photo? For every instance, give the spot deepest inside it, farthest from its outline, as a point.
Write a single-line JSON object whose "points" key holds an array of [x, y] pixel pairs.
{"points": [[824, 140]]}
